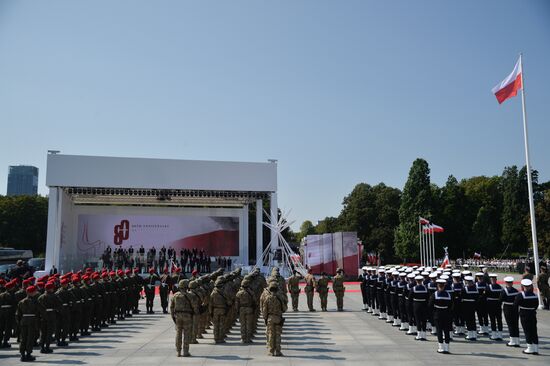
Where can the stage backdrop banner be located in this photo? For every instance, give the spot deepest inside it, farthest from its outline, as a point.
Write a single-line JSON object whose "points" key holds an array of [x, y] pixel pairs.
{"points": [[324, 253], [218, 236]]}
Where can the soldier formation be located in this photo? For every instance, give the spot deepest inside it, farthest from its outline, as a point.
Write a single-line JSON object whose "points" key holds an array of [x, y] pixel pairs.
{"points": [[421, 299]]}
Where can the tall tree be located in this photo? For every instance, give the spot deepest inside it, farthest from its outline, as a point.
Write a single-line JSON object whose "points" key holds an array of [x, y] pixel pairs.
{"points": [[452, 215], [514, 211], [416, 201], [543, 223], [327, 225], [307, 228]]}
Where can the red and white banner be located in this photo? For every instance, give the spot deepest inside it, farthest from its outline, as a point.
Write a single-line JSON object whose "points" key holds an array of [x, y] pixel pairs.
{"points": [[429, 229], [509, 87], [215, 235], [324, 253]]}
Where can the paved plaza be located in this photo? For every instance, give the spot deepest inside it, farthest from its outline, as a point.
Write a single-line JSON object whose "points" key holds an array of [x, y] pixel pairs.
{"points": [[352, 337]]}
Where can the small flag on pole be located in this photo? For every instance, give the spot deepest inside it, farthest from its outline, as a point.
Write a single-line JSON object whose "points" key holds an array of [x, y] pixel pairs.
{"points": [[423, 221], [509, 87]]}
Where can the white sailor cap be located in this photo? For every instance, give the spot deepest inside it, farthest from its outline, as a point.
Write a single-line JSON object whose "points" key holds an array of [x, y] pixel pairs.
{"points": [[469, 278], [381, 270], [456, 270], [479, 274], [432, 275], [456, 274], [395, 273], [441, 281], [425, 273], [410, 275], [428, 268], [526, 282], [444, 277], [508, 279], [418, 278], [465, 266], [402, 274], [414, 267], [416, 272], [482, 266], [494, 275], [465, 273], [408, 270], [420, 268], [448, 266], [365, 268]]}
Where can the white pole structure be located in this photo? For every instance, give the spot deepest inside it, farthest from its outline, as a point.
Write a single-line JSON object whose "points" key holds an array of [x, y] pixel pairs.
{"points": [[428, 247], [420, 239], [259, 232], [529, 179], [433, 247], [423, 262]]}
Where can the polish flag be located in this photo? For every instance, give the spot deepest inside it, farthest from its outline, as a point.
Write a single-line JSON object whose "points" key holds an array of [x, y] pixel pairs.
{"points": [[423, 221], [509, 87], [446, 262], [437, 229]]}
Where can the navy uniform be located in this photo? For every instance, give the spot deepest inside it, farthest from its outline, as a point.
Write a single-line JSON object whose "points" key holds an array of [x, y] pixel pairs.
{"points": [[470, 296], [407, 292], [432, 288], [441, 302], [380, 300], [507, 297], [388, 284], [482, 314], [401, 303], [420, 307], [373, 305], [494, 307], [364, 285], [527, 303], [458, 286]]}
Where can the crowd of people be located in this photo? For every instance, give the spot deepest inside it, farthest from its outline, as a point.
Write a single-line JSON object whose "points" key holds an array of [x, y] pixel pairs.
{"points": [[503, 265], [421, 299], [188, 260]]}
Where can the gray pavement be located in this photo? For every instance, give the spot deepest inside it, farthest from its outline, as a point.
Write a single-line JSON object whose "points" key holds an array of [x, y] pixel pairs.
{"points": [[352, 337]]}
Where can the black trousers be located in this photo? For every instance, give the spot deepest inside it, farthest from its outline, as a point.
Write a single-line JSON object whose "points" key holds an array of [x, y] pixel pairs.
{"points": [[403, 309], [469, 315], [442, 321], [420, 309], [494, 309], [410, 313], [389, 305], [529, 324], [482, 315], [364, 294], [395, 305], [372, 298], [381, 300], [457, 314], [512, 319]]}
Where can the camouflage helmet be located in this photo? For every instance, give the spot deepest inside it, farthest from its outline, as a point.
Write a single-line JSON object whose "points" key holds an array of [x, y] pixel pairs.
{"points": [[273, 286], [245, 282], [219, 282], [193, 285], [183, 284]]}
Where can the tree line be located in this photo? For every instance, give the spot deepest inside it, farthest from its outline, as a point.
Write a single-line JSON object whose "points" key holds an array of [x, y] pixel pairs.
{"points": [[487, 215]]}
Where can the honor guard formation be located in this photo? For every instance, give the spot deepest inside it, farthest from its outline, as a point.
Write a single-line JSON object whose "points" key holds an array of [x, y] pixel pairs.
{"points": [[447, 302], [59, 309]]}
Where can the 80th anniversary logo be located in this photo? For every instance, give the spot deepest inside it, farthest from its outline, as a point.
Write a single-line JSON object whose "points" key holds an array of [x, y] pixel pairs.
{"points": [[122, 232]]}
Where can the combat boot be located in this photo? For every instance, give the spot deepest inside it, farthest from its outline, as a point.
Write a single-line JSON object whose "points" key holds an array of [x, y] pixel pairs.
{"points": [[529, 350], [404, 326], [446, 348], [514, 342], [440, 348]]}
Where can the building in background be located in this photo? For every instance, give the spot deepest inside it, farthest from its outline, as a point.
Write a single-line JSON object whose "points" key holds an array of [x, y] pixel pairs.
{"points": [[22, 180]]}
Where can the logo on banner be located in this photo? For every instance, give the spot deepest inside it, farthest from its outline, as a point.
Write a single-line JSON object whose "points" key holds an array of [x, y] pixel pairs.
{"points": [[122, 232]]}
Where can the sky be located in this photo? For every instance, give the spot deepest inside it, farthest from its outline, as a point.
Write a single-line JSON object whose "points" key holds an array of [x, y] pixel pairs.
{"points": [[339, 92]]}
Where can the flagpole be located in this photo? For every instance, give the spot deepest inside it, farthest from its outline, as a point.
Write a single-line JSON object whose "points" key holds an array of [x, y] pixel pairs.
{"points": [[423, 261], [529, 179], [433, 248], [429, 246], [420, 238]]}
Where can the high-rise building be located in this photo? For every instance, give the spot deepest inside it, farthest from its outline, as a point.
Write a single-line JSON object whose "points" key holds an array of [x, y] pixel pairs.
{"points": [[22, 180]]}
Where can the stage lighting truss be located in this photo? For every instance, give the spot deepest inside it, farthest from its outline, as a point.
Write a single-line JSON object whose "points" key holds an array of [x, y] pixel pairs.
{"points": [[162, 197]]}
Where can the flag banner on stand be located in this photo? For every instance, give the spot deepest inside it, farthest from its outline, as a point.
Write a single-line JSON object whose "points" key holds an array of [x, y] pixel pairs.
{"points": [[477, 255]]}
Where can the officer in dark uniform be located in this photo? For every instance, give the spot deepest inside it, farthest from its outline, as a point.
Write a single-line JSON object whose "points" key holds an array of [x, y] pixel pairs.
{"points": [[76, 309], [420, 307], [364, 285], [408, 293], [402, 302], [441, 303], [458, 286], [373, 305], [150, 290], [494, 307], [50, 305], [507, 297], [482, 314], [380, 293], [470, 296], [164, 290], [64, 323], [527, 303]]}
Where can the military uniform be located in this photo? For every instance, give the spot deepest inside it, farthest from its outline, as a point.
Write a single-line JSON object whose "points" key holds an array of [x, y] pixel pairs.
{"points": [[200, 295], [272, 310], [294, 288], [339, 289], [309, 290], [64, 323], [150, 291], [164, 290], [245, 303], [218, 310], [183, 307], [322, 290], [50, 306], [28, 317], [441, 303], [527, 303], [544, 287], [7, 312]]}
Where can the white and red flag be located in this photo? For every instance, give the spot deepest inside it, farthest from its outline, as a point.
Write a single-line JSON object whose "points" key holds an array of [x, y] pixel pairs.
{"points": [[423, 221], [430, 229], [509, 87]]}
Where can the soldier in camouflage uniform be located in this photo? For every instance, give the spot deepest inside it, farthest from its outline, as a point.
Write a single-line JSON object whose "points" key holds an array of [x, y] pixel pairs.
{"points": [[194, 289], [218, 310], [18, 296], [50, 305], [322, 290], [28, 317], [245, 303], [294, 288], [76, 309], [311, 284], [87, 306], [339, 289], [273, 308], [183, 306]]}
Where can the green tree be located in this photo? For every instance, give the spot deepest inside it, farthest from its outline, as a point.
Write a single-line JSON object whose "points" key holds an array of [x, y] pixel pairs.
{"points": [[416, 201], [514, 210], [327, 225], [452, 215], [23, 222], [542, 213], [306, 229]]}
